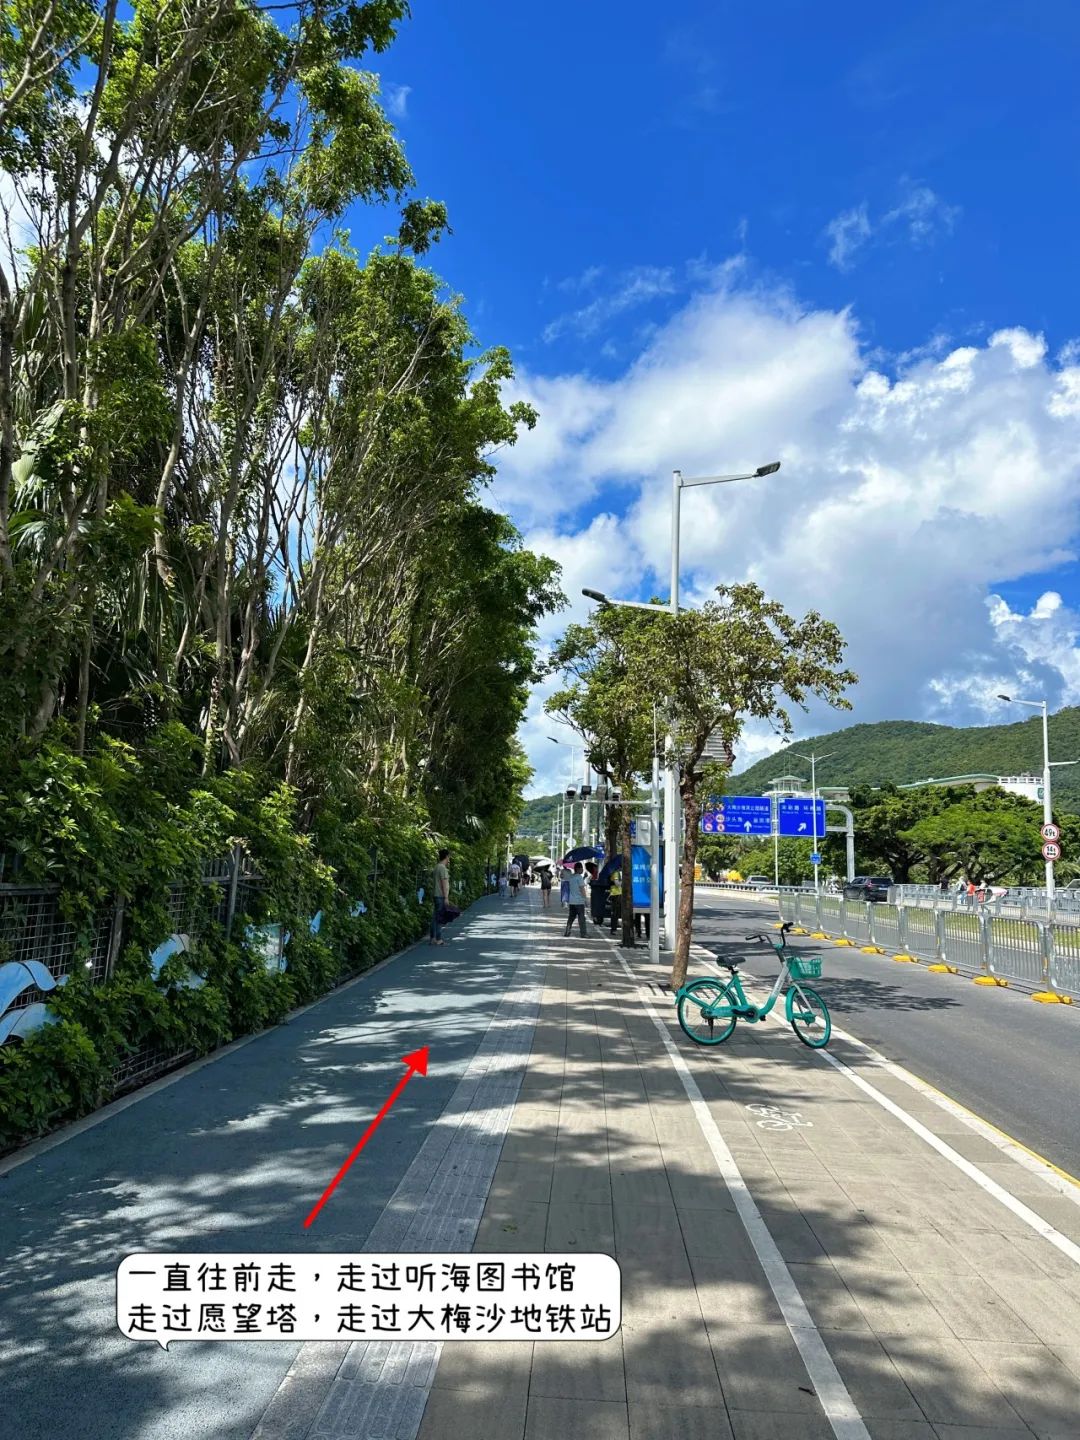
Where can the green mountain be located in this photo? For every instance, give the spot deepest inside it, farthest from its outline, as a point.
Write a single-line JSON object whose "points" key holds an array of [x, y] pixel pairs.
{"points": [[903, 751]]}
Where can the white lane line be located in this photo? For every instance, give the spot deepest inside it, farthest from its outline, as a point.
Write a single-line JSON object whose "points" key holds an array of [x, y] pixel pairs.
{"points": [[836, 1402], [1063, 1184], [991, 1187], [1031, 1162]]}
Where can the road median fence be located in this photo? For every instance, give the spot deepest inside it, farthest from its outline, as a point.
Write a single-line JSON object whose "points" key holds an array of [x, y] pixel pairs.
{"points": [[1037, 954]]}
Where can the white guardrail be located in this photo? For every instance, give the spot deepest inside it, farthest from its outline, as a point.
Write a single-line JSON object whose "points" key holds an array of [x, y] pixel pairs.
{"points": [[1037, 952]]}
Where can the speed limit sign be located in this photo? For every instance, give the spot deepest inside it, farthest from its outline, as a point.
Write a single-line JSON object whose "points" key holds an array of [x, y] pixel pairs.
{"points": [[1051, 850], [1050, 832]]}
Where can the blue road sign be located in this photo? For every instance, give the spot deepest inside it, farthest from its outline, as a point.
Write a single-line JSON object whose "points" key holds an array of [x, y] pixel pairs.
{"points": [[738, 815], [815, 858], [796, 817]]}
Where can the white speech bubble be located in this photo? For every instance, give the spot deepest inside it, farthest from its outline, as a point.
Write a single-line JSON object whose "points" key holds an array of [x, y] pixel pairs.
{"points": [[350, 1296]]}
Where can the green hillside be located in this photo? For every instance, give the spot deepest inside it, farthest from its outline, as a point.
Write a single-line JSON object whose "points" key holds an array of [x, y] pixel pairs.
{"points": [[907, 750], [903, 751]]}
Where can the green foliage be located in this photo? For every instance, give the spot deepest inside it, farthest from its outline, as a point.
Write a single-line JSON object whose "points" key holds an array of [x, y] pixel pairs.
{"points": [[250, 598]]}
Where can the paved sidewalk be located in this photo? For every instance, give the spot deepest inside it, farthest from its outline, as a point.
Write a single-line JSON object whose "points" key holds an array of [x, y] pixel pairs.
{"points": [[906, 1297], [944, 1313]]}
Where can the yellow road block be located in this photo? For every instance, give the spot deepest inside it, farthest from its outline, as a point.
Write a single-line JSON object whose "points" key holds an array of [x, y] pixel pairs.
{"points": [[798, 930], [943, 969], [843, 942], [991, 980], [907, 959], [819, 935], [871, 950], [1051, 997]]}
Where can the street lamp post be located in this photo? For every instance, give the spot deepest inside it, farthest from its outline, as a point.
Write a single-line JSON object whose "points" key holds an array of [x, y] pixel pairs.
{"points": [[566, 827], [1048, 765], [814, 758], [672, 801], [672, 805]]}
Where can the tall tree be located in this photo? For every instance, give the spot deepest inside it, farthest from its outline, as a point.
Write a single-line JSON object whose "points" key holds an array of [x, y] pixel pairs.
{"points": [[606, 700], [739, 657]]}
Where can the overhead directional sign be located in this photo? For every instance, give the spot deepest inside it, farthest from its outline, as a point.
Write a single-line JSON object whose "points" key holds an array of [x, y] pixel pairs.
{"points": [[738, 815], [796, 817]]}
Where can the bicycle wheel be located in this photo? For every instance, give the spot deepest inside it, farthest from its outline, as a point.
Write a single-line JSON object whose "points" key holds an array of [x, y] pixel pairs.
{"points": [[696, 998], [809, 1016]]}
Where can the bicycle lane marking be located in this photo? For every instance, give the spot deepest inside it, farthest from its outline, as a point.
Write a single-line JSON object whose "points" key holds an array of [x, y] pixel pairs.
{"points": [[832, 1393], [1059, 1180], [990, 1187]]}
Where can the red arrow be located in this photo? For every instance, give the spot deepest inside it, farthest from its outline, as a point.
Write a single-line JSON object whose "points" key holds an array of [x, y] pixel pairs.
{"points": [[417, 1063]]}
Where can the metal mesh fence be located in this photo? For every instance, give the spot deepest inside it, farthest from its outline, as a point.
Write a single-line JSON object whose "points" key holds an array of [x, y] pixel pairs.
{"points": [[32, 927]]}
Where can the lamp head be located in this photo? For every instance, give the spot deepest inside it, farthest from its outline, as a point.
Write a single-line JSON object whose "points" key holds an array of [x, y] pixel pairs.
{"points": [[1005, 697], [597, 595], [767, 469]]}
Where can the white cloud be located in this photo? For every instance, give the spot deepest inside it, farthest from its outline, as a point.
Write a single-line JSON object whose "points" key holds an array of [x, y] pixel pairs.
{"points": [[632, 288], [903, 502], [397, 100], [848, 231], [919, 217]]}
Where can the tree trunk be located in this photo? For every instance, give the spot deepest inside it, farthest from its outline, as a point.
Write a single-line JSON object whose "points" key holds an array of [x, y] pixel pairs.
{"points": [[684, 925]]}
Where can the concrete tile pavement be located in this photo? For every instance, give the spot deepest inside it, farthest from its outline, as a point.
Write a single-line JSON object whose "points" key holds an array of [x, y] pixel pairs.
{"points": [[944, 1314], [567, 1126]]}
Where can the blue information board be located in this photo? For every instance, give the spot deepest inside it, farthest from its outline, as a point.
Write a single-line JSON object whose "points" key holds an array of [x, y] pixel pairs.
{"points": [[639, 861], [738, 815], [796, 817]]}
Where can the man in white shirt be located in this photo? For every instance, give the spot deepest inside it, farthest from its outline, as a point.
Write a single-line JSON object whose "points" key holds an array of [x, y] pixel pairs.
{"points": [[578, 899], [515, 877]]}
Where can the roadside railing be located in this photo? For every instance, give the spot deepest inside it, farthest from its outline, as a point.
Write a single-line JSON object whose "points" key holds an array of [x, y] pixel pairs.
{"points": [[1032, 952], [1023, 902]]}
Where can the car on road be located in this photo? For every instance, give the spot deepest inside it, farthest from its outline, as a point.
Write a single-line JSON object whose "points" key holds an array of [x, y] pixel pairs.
{"points": [[760, 882], [868, 887]]}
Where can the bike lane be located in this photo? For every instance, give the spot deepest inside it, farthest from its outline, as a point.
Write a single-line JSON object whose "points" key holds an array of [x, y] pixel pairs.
{"points": [[229, 1155], [797, 1260]]}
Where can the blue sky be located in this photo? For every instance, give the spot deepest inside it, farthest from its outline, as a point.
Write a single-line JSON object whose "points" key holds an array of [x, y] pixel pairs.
{"points": [[843, 235]]}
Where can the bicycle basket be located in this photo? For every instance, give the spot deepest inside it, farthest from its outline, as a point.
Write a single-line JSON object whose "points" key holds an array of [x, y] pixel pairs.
{"points": [[805, 969]]}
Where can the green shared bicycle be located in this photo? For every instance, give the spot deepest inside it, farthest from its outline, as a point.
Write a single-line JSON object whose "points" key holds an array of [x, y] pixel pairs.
{"points": [[709, 1009]]}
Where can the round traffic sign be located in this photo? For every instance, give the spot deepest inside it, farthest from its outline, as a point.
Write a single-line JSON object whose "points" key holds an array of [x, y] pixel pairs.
{"points": [[1050, 832], [1051, 850]]}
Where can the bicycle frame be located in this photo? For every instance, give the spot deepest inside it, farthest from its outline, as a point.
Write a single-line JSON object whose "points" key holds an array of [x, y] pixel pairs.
{"points": [[745, 1010]]}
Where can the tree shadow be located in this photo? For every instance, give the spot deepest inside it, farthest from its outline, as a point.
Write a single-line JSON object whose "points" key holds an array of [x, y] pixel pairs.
{"points": [[232, 1156]]}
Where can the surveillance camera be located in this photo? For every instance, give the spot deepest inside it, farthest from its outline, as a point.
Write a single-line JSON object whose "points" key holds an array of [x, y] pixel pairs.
{"points": [[570, 792], [586, 791], [616, 793]]}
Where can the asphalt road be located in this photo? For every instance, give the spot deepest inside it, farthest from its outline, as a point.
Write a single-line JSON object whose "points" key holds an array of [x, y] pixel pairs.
{"points": [[1015, 1063]]}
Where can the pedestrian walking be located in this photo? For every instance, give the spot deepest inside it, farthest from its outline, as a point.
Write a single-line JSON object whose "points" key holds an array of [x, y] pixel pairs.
{"points": [[564, 887], [515, 877], [577, 899], [440, 899], [545, 887]]}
